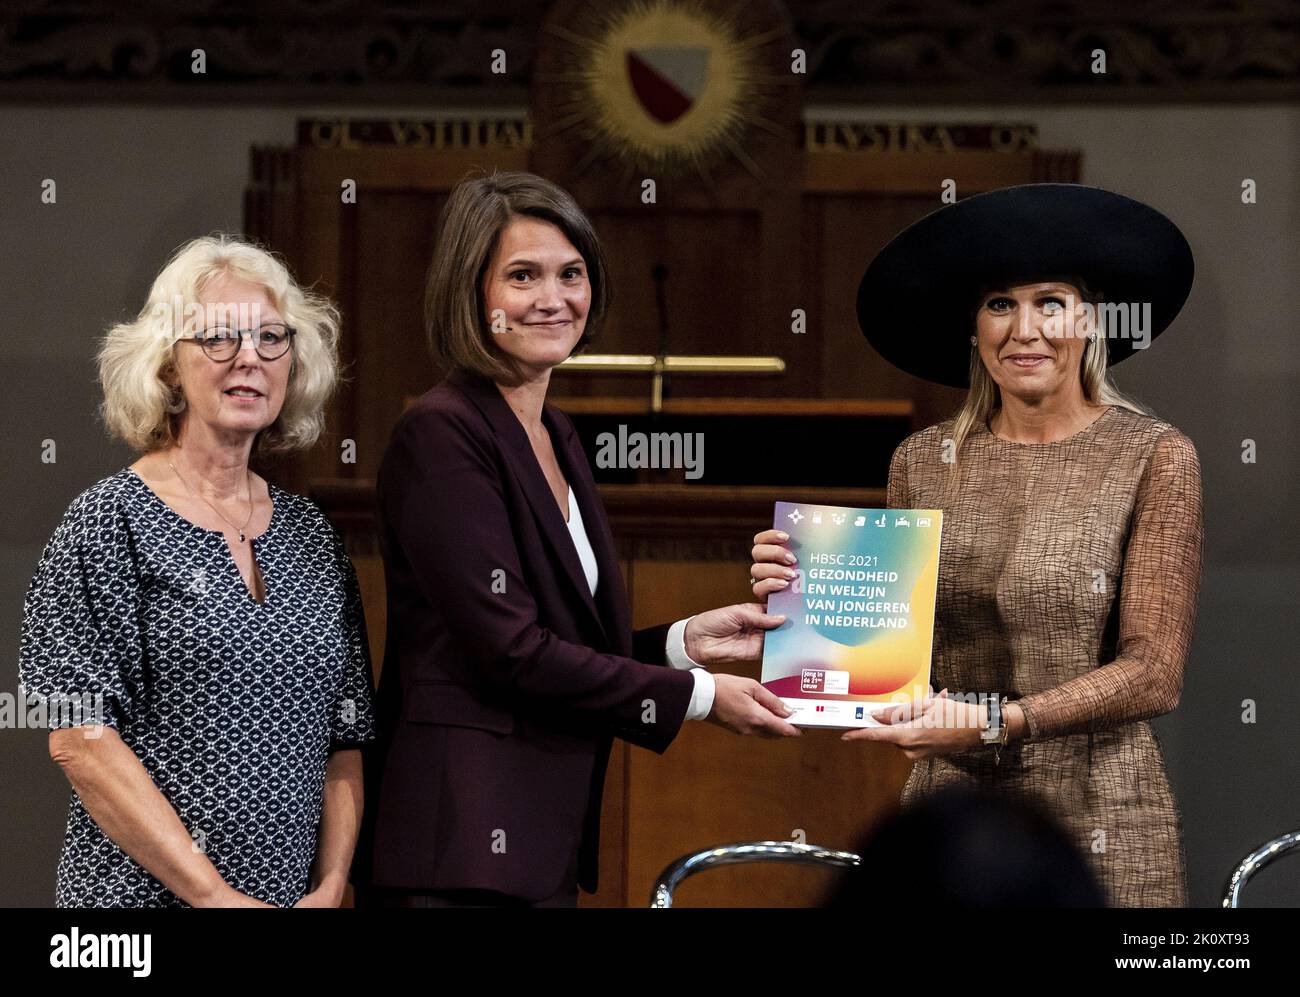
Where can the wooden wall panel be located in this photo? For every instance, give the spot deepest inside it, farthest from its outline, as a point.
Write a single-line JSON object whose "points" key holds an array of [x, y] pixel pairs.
{"points": [[370, 580], [712, 291], [395, 234], [842, 233]]}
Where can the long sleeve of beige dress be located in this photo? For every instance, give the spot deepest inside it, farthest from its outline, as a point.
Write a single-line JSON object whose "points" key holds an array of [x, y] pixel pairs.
{"points": [[1068, 580]]}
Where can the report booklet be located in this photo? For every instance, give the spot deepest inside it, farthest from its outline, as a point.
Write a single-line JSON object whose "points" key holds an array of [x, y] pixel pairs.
{"points": [[859, 628]]}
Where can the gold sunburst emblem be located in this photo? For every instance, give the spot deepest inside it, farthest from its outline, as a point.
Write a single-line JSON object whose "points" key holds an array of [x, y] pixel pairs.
{"points": [[663, 84]]}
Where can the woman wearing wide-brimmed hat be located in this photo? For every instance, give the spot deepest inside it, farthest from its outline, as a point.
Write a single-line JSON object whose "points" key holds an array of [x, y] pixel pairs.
{"points": [[1072, 545]]}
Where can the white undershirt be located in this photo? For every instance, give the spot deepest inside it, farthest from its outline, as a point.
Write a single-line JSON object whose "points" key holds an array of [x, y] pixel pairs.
{"points": [[585, 554], [702, 697]]}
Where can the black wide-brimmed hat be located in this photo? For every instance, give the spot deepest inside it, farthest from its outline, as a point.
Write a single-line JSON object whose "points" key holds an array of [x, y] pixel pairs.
{"points": [[916, 302]]}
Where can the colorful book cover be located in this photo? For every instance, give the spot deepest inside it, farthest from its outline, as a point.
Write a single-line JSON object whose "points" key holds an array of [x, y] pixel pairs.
{"points": [[859, 627]]}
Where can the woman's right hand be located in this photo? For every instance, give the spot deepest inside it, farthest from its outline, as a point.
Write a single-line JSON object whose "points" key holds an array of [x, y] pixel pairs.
{"points": [[773, 568]]}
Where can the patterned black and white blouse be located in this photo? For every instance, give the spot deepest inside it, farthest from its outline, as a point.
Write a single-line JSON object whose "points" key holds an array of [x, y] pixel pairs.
{"points": [[233, 706]]}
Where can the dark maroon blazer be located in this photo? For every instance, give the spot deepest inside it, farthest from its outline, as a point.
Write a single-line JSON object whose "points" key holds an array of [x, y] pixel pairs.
{"points": [[504, 681]]}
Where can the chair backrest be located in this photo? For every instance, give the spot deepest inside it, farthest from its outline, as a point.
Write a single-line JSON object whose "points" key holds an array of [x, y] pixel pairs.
{"points": [[1266, 853], [753, 851]]}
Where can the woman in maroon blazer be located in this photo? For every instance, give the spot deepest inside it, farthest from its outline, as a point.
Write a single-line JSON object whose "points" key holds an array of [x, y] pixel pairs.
{"points": [[510, 661]]}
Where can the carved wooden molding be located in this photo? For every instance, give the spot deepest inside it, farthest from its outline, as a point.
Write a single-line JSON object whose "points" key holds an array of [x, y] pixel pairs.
{"points": [[1021, 50], [389, 52], [650, 522]]}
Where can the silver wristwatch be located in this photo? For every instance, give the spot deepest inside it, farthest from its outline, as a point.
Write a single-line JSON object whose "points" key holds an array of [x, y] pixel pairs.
{"points": [[995, 733]]}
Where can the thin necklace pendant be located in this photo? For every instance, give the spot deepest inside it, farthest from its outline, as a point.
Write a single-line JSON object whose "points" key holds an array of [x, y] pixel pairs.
{"points": [[247, 519]]}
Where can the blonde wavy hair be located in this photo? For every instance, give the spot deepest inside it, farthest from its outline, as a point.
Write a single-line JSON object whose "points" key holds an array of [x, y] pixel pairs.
{"points": [[984, 396], [137, 363]]}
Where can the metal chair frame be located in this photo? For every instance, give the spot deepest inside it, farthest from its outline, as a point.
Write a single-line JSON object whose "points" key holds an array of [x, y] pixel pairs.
{"points": [[1262, 856], [753, 851]]}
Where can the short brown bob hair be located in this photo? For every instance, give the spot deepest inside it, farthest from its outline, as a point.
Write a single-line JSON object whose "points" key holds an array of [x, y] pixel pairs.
{"points": [[478, 210]]}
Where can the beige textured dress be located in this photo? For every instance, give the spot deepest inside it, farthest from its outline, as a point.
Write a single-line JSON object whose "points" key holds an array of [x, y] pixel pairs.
{"points": [[1068, 579]]}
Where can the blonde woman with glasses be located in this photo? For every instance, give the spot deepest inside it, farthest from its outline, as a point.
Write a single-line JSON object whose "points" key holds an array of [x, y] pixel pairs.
{"points": [[212, 618]]}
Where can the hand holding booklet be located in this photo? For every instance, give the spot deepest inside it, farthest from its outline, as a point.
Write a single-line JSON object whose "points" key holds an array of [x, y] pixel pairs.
{"points": [[859, 626]]}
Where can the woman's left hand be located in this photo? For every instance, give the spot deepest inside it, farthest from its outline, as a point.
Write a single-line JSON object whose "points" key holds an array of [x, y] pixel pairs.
{"points": [[933, 725], [730, 634]]}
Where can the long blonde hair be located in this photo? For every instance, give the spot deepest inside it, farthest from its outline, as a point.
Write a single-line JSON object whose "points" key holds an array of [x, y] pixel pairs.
{"points": [[1099, 388]]}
